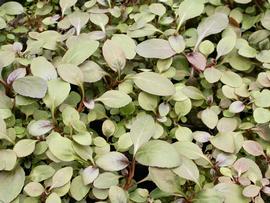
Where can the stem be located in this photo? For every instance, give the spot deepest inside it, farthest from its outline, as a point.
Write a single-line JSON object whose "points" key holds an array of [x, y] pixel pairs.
{"points": [[81, 105], [130, 174]]}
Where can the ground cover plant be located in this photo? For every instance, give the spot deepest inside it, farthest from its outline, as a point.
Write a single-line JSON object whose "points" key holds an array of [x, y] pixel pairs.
{"points": [[135, 101]]}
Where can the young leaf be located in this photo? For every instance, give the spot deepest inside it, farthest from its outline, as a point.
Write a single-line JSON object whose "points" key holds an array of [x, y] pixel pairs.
{"points": [[211, 25], [78, 19], [153, 83], [117, 195], [253, 148], [197, 60], [16, 74], [225, 45], [62, 177], [89, 174], [40, 127], [209, 118]]}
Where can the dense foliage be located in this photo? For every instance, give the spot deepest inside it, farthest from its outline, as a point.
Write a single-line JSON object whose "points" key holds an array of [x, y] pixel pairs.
{"points": [[135, 101]]}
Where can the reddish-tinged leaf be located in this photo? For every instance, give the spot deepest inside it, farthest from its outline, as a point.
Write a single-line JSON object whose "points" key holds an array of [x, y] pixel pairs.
{"points": [[253, 148], [197, 60], [17, 73]]}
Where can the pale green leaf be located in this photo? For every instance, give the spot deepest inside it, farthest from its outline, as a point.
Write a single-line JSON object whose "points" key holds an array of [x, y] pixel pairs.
{"points": [[114, 99]]}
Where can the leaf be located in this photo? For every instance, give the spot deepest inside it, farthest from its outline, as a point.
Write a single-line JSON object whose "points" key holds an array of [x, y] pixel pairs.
{"points": [[265, 19], [155, 48], [12, 8], [71, 74], [114, 99], [99, 19], [16, 74], [114, 55], [141, 131], [231, 78], [209, 118], [42, 68], [7, 57], [89, 174], [79, 51], [197, 60], [92, 72], [40, 127], [33, 189], [25, 147], [8, 159], [157, 153], [77, 189], [106, 180], [165, 179], [189, 9], [30, 86], [188, 170], [177, 43], [58, 91], [236, 107], [211, 25], [212, 75], [61, 177], [60, 147], [66, 4], [117, 195], [153, 83], [11, 184], [261, 115], [112, 161], [225, 45], [126, 43], [53, 198], [251, 191], [189, 150], [224, 142], [41, 172], [253, 148], [78, 19]]}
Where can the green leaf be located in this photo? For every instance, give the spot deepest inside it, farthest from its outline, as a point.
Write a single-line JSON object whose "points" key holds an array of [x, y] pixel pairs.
{"points": [[78, 20], [106, 180], [77, 189], [25, 147], [117, 195], [71, 74], [53, 198], [12, 8], [148, 101], [41, 172], [8, 159], [177, 43], [189, 9], [42, 68], [11, 184], [79, 51], [60, 147], [92, 72], [212, 75], [188, 170], [33, 189], [58, 91], [209, 118], [153, 83], [232, 79], [225, 45], [99, 19], [211, 25], [126, 43], [30, 86], [40, 127], [66, 4], [224, 142], [190, 150], [165, 179], [61, 177], [114, 99], [155, 48], [261, 115], [114, 55], [141, 131], [112, 161], [157, 153]]}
